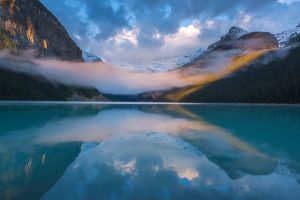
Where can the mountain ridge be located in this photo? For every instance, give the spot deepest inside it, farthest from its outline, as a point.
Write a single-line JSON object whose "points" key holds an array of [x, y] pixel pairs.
{"points": [[233, 33], [29, 24], [267, 75], [285, 36], [250, 64]]}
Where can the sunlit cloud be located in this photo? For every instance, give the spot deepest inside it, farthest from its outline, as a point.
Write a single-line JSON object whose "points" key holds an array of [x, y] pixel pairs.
{"points": [[186, 37], [134, 28]]}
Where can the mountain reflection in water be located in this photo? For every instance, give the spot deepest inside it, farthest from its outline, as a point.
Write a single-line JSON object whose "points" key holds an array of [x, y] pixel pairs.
{"points": [[78, 151]]}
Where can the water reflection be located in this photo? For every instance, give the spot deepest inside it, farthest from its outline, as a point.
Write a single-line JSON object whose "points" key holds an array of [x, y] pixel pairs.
{"points": [[159, 166], [159, 151], [28, 172]]}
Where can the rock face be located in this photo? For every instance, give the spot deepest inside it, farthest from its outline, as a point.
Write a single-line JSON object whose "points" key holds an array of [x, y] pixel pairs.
{"points": [[242, 40], [234, 33], [256, 41], [27, 24], [235, 43], [238, 38]]}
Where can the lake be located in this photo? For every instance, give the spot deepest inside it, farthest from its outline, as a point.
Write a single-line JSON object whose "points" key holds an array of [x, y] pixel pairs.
{"points": [[149, 151]]}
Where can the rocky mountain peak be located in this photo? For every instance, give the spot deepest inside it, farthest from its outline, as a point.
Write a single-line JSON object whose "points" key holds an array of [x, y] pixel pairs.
{"points": [[234, 33], [27, 24]]}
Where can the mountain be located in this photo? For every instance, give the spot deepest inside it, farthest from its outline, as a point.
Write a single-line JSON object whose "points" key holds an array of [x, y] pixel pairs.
{"points": [[258, 72], [226, 58], [157, 64], [284, 37], [27, 24], [234, 33], [269, 79], [17, 85], [255, 70], [188, 57], [234, 44], [294, 41], [149, 65], [89, 57]]}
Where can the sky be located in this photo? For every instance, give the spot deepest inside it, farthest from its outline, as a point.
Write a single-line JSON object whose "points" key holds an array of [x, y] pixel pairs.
{"points": [[117, 29]]}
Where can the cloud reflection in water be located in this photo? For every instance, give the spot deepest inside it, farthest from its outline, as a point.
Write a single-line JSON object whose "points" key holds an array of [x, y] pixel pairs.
{"points": [[159, 166], [161, 151]]}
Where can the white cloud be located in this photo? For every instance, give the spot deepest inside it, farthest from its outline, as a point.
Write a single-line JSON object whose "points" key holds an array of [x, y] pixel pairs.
{"points": [[125, 36], [286, 1], [246, 18], [186, 37], [210, 24], [78, 38]]}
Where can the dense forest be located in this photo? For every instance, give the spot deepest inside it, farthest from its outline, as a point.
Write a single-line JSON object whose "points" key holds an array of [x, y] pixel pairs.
{"points": [[17, 86], [264, 81]]}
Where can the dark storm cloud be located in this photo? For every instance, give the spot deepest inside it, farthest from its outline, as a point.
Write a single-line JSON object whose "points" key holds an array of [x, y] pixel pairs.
{"points": [[165, 16]]}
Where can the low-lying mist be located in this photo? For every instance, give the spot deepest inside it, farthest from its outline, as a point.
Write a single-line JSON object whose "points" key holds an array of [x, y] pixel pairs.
{"points": [[105, 77], [113, 80]]}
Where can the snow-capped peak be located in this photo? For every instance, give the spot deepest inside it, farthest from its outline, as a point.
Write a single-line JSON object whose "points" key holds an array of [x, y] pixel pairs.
{"points": [[234, 33], [88, 57], [284, 37]]}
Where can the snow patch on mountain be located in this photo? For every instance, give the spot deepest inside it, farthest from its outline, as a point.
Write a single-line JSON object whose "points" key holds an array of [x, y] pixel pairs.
{"points": [[88, 57], [158, 64], [188, 57], [284, 37]]}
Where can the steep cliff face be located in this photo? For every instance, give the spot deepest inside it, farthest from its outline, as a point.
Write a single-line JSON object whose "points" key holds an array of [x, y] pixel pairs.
{"points": [[27, 24]]}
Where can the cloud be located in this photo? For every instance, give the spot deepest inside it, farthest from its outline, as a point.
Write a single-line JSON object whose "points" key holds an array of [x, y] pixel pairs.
{"points": [[127, 36], [164, 167], [113, 27], [113, 80], [184, 37], [287, 1]]}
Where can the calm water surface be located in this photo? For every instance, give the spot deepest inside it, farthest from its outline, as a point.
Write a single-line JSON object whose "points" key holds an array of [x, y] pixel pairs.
{"points": [[97, 151]]}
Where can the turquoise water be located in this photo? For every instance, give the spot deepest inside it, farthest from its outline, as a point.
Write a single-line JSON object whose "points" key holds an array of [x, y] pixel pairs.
{"points": [[110, 151]]}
